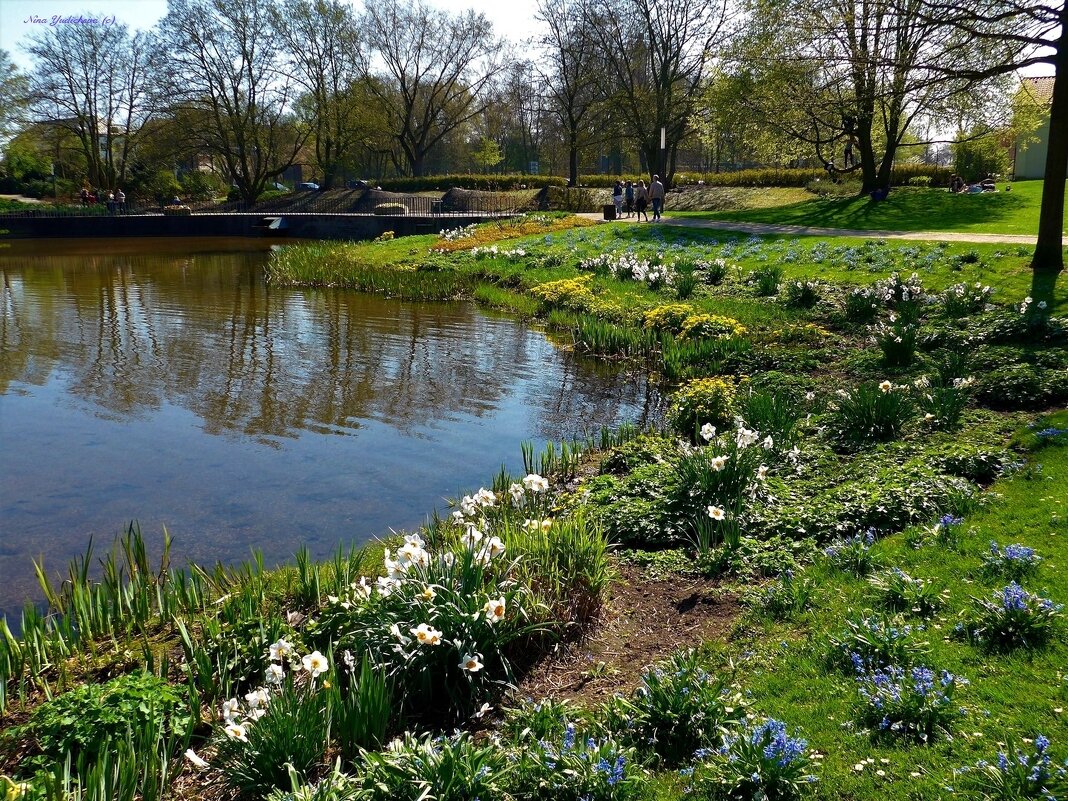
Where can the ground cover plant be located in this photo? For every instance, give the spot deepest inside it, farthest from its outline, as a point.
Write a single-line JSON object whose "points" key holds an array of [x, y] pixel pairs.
{"points": [[877, 524]]}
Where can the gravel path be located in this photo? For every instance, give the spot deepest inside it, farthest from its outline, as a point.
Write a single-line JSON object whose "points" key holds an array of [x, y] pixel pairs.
{"points": [[805, 230]]}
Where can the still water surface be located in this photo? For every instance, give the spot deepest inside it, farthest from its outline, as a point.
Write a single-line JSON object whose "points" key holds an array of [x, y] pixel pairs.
{"points": [[162, 381]]}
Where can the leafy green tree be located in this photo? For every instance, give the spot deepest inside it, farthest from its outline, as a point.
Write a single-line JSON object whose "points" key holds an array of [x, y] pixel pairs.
{"points": [[978, 154]]}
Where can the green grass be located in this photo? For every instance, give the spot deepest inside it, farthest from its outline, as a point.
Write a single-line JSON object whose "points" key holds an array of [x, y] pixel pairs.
{"points": [[1018, 693], [907, 209]]}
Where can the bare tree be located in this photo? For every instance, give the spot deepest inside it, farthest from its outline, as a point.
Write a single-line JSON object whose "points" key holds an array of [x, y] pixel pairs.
{"points": [[322, 43], [569, 73], [437, 69], [229, 71], [90, 80], [656, 53], [12, 96]]}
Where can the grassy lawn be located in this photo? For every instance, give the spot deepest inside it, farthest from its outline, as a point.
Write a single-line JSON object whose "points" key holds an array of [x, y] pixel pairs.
{"points": [[907, 209]]}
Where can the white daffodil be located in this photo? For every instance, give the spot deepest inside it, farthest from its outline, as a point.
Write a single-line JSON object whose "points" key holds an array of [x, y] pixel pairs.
{"points": [[235, 731], [396, 632], [716, 513], [536, 483], [517, 492], [258, 698], [363, 587], [387, 585], [256, 714], [426, 635], [494, 609], [718, 463], [746, 437], [428, 593], [708, 432], [230, 709], [315, 663], [768, 443], [281, 649], [468, 506], [275, 674], [885, 386], [196, 761], [485, 497], [762, 472], [471, 537], [494, 547], [414, 539], [472, 663]]}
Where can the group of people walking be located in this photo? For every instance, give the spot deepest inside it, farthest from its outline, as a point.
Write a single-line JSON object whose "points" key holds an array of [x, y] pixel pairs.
{"points": [[635, 198], [116, 201]]}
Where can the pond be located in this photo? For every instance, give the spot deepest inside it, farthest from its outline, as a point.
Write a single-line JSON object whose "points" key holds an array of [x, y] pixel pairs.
{"points": [[163, 381]]}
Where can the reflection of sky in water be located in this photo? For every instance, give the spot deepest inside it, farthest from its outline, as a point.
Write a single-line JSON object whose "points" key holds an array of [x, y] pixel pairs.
{"points": [[176, 390]]}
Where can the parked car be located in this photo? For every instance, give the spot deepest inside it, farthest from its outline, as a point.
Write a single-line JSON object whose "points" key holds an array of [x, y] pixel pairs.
{"points": [[308, 185]]}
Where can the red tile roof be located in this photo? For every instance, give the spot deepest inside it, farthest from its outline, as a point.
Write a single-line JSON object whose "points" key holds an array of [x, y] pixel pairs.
{"points": [[1040, 88]]}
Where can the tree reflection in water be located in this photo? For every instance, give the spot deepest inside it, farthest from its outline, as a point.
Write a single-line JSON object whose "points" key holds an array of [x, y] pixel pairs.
{"points": [[118, 367]]}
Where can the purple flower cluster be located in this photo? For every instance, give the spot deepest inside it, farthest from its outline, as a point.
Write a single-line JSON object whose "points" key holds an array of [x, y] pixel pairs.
{"points": [[778, 746], [913, 702]]}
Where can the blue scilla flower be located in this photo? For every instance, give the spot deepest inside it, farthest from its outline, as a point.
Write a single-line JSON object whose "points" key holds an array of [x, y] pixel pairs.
{"points": [[1014, 597], [569, 737], [1041, 743], [617, 770]]}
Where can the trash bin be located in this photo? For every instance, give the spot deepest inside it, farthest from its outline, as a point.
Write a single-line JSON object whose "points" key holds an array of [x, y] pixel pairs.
{"points": [[609, 211]]}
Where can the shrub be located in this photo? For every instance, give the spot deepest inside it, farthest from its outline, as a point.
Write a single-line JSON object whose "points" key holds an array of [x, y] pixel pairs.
{"points": [[920, 180], [760, 762], [492, 182], [900, 592], [802, 294], [871, 413], [854, 554], [93, 718], [710, 326], [668, 318], [874, 641], [942, 405], [578, 769], [861, 305], [766, 280], [1017, 774], [1015, 618], [275, 730], [909, 704], [445, 769], [700, 402], [961, 300], [678, 709], [568, 293], [897, 342], [774, 412], [1014, 562]]}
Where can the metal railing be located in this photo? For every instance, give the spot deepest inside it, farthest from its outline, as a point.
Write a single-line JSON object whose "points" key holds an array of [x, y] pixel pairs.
{"points": [[349, 201]]}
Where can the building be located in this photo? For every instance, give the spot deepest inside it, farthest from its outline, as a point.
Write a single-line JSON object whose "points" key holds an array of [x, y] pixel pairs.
{"points": [[1029, 161]]}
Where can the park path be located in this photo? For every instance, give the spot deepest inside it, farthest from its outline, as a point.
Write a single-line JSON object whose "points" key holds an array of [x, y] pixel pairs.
{"points": [[807, 230]]}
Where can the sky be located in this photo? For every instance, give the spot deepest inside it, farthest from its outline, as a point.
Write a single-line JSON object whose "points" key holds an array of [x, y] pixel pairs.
{"points": [[511, 18]]}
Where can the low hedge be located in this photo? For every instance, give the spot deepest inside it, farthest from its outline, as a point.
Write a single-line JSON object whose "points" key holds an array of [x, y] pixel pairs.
{"points": [[490, 183]]}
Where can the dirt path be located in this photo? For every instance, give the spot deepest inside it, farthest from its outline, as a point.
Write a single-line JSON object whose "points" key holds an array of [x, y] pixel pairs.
{"points": [[805, 230]]}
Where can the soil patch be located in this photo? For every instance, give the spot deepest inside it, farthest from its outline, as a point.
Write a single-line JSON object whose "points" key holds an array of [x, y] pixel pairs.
{"points": [[646, 620]]}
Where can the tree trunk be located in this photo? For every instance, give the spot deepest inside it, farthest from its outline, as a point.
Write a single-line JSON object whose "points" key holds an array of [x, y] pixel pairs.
{"points": [[1049, 251], [572, 162]]}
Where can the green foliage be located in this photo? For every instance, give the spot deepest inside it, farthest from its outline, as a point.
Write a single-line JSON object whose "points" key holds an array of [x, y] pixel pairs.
{"points": [[897, 591], [199, 185], [801, 294], [1013, 618], [766, 280], [871, 413], [678, 708], [775, 413], [703, 401], [292, 732], [467, 181], [91, 719], [854, 554], [361, 707], [445, 769], [761, 761], [975, 156], [873, 641], [786, 597]]}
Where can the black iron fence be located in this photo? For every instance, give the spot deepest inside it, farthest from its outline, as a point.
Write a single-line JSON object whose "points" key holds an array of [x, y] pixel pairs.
{"points": [[358, 201]]}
